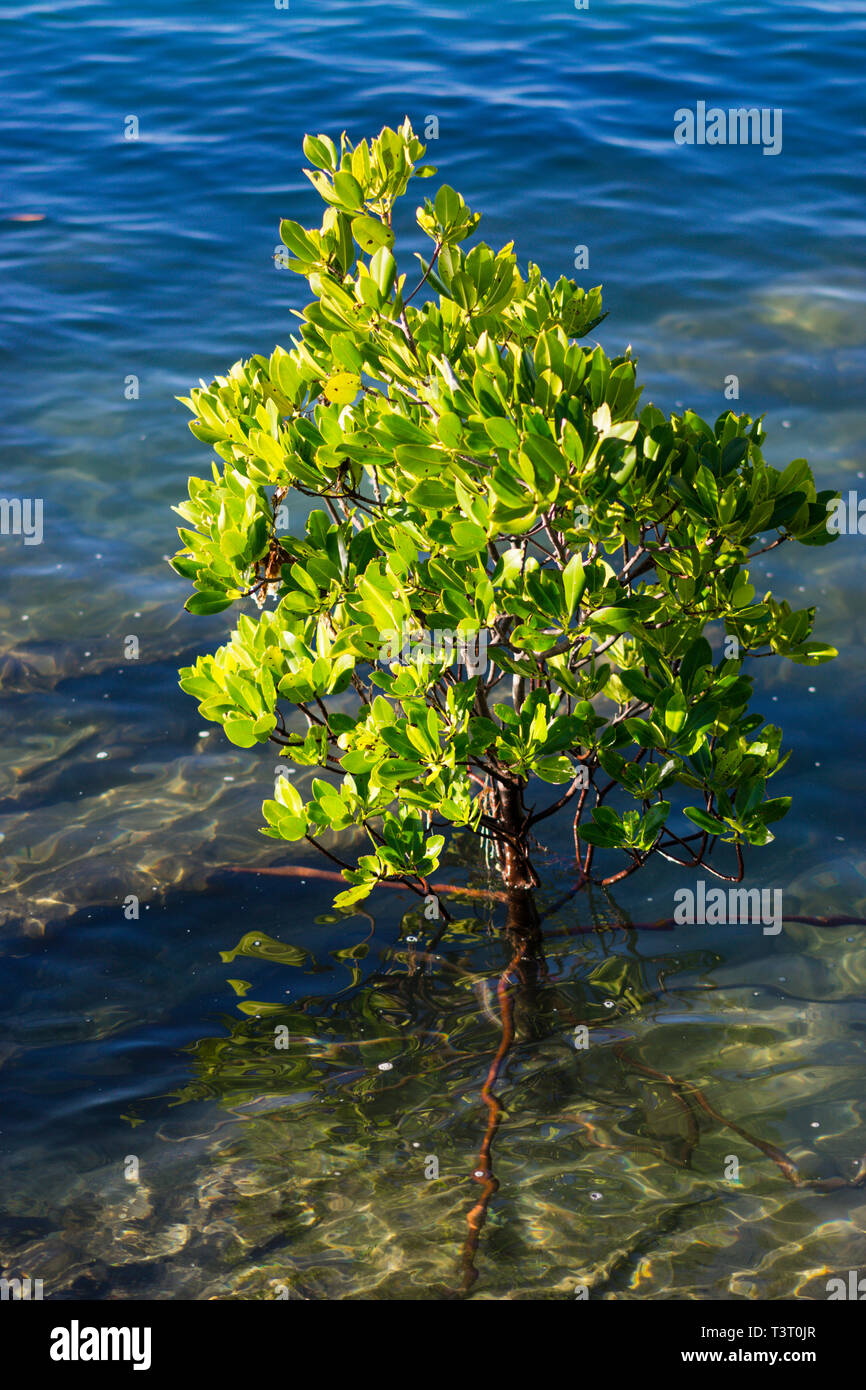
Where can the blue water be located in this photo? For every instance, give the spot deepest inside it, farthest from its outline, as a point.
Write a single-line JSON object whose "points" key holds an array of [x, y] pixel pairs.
{"points": [[153, 258]]}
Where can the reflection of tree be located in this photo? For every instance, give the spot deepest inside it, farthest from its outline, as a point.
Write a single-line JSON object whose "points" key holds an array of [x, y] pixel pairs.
{"points": [[427, 1003]]}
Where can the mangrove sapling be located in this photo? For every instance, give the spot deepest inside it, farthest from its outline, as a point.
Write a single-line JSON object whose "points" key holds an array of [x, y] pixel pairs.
{"points": [[475, 470]]}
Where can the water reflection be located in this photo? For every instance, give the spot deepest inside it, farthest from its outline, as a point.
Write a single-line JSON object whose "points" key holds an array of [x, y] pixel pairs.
{"points": [[325, 1137], [573, 1080]]}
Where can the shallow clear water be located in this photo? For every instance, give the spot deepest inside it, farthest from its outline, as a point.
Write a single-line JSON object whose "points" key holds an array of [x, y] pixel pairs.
{"points": [[305, 1168]]}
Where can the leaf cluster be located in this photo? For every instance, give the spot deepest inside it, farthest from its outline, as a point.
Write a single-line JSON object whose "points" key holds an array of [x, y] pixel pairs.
{"points": [[476, 468]]}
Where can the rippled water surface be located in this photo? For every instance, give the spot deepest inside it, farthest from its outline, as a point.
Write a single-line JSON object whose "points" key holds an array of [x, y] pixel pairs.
{"points": [[309, 1168]]}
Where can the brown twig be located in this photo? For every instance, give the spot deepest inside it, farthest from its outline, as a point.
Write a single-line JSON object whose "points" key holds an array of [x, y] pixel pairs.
{"points": [[495, 895], [484, 1166]]}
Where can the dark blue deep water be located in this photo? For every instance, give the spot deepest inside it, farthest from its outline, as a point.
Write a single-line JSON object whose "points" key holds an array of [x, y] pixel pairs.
{"points": [[152, 1142]]}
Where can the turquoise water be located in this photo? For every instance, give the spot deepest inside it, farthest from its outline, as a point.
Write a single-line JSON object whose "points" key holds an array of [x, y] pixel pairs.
{"points": [[152, 258]]}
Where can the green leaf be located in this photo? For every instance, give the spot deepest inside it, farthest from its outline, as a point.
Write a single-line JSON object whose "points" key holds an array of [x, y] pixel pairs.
{"points": [[371, 234], [469, 536], [292, 234], [354, 895], [613, 619], [574, 583], [358, 761], [774, 809], [383, 269], [705, 821], [241, 732], [207, 601], [553, 769], [320, 151], [447, 205], [653, 821], [341, 388], [812, 654], [603, 839], [502, 432], [348, 190], [676, 712], [698, 656]]}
